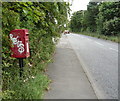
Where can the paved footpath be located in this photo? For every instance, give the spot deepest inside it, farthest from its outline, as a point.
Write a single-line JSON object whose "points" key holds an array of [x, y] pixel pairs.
{"points": [[68, 76]]}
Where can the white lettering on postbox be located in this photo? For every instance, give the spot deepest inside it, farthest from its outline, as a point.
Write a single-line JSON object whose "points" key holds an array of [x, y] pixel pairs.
{"points": [[19, 44]]}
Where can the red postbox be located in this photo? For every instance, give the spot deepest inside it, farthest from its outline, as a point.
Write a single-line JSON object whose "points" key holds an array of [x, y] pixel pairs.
{"points": [[19, 43]]}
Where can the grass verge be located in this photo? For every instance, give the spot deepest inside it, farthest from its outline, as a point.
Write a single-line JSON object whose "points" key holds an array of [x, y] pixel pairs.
{"points": [[29, 87], [111, 38]]}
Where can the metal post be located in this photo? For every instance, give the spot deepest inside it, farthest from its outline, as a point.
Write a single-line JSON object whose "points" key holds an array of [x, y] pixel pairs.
{"points": [[21, 66]]}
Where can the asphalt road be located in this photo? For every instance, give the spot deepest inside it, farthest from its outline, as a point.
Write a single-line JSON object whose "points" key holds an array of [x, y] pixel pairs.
{"points": [[99, 59]]}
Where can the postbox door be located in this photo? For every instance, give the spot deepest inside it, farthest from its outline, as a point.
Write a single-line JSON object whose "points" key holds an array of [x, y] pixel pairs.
{"points": [[18, 40]]}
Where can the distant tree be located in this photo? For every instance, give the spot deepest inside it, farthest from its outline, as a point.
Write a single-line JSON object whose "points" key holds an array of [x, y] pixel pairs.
{"points": [[85, 20], [102, 18], [76, 21], [91, 15], [108, 20]]}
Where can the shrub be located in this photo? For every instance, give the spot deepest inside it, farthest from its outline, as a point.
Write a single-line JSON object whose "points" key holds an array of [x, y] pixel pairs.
{"points": [[112, 27], [39, 19]]}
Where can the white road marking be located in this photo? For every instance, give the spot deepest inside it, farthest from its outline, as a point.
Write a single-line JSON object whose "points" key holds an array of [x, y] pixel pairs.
{"points": [[99, 44], [113, 49]]}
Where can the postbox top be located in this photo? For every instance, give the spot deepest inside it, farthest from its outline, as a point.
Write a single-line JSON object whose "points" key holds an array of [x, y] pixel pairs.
{"points": [[17, 30]]}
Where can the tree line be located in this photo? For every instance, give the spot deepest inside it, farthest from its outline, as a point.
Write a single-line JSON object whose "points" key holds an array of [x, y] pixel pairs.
{"points": [[100, 17]]}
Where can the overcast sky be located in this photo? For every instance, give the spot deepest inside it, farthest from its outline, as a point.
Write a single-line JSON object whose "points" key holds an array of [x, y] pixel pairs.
{"points": [[79, 5]]}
